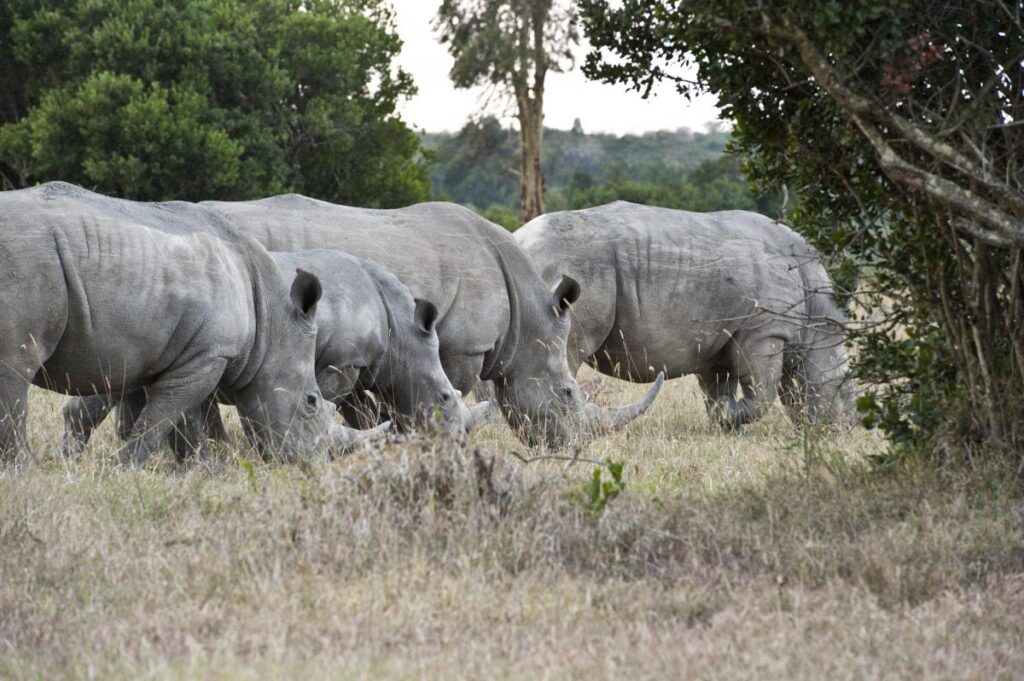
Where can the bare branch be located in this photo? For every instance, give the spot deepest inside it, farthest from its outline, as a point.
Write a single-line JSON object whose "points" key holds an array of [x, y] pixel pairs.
{"points": [[557, 457], [1003, 229]]}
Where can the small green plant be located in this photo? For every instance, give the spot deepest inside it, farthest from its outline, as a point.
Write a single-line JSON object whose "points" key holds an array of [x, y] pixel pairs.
{"points": [[598, 493], [250, 471]]}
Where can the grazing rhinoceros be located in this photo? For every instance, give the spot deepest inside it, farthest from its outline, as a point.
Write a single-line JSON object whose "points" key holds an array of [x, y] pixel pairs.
{"points": [[734, 297], [371, 336], [95, 299], [496, 317]]}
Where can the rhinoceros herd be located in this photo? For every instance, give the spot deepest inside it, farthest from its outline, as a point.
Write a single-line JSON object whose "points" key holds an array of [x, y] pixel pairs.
{"points": [[293, 309]]}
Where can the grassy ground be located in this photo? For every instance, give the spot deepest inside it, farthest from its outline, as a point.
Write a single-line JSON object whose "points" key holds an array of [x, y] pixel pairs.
{"points": [[752, 555]]}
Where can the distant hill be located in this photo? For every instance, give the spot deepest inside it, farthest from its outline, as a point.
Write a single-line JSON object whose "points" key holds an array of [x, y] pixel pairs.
{"points": [[478, 167]]}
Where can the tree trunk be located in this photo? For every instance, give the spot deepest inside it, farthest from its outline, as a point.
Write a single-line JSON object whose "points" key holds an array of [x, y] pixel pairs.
{"points": [[531, 179]]}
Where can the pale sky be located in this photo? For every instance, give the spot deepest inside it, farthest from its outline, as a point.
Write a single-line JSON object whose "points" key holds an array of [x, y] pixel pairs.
{"points": [[601, 108]]}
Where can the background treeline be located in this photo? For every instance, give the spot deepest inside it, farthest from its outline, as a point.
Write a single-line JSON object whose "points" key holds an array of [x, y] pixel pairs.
{"points": [[477, 167]]}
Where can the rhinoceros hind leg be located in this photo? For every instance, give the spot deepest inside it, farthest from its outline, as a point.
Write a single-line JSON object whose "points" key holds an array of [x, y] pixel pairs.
{"points": [[82, 415]]}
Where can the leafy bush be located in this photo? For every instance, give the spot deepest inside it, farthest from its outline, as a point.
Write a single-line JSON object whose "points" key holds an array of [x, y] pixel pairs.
{"points": [[205, 99]]}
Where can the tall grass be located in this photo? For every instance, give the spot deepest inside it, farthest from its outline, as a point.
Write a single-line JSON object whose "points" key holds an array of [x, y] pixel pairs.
{"points": [[749, 555]]}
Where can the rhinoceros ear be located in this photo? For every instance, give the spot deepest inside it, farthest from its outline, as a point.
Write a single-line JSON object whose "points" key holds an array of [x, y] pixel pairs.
{"points": [[425, 315], [306, 292], [565, 293]]}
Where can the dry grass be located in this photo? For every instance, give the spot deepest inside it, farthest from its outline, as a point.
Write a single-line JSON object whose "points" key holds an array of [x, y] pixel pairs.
{"points": [[728, 556]]}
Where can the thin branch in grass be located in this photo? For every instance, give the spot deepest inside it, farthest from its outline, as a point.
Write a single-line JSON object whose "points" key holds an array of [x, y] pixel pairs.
{"points": [[557, 457]]}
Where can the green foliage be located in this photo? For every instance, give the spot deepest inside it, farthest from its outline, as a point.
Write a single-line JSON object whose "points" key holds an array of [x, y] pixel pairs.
{"points": [[502, 215], [205, 99], [598, 493], [477, 165], [681, 169], [943, 359], [250, 472], [115, 133], [716, 184]]}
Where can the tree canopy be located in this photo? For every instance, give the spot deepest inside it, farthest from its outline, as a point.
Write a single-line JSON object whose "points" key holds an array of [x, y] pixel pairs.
{"points": [[202, 99], [899, 124]]}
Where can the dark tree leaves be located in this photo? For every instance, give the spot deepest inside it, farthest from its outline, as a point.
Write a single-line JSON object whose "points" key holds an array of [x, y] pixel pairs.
{"points": [[207, 99]]}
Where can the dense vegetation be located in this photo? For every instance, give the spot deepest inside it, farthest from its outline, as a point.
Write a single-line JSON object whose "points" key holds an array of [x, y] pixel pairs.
{"points": [[203, 99], [899, 126], [680, 169]]}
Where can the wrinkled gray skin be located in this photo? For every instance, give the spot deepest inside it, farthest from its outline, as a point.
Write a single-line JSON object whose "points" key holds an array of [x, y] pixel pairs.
{"points": [[734, 297], [497, 319], [371, 336], [98, 297]]}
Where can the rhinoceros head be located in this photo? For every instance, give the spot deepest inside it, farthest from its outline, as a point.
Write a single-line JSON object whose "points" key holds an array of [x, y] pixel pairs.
{"points": [[411, 379], [538, 393], [282, 407]]}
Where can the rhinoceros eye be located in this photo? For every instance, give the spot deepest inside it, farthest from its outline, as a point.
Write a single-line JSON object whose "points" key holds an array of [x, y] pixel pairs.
{"points": [[311, 400]]}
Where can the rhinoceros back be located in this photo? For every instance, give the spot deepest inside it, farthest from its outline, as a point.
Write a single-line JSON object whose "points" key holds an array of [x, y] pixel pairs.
{"points": [[443, 253], [671, 289], [115, 290]]}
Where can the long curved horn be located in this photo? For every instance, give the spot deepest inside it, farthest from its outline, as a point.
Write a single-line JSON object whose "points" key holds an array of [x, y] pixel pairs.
{"points": [[600, 420], [342, 439]]}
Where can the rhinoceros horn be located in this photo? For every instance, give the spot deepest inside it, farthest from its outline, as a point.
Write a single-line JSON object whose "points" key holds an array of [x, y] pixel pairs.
{"points": [[342, 439], [477, 415], [601, 420]]}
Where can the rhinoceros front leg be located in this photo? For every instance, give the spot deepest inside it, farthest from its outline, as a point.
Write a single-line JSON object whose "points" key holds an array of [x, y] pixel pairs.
{"points": [[174, 395], [362, 410], [213, 424], [128, 411], [759, 370], [463, 371], [188, 437], [793, 395], [13, 400], [184, 439], [82, 415], [719, 388], [484, 392]]}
